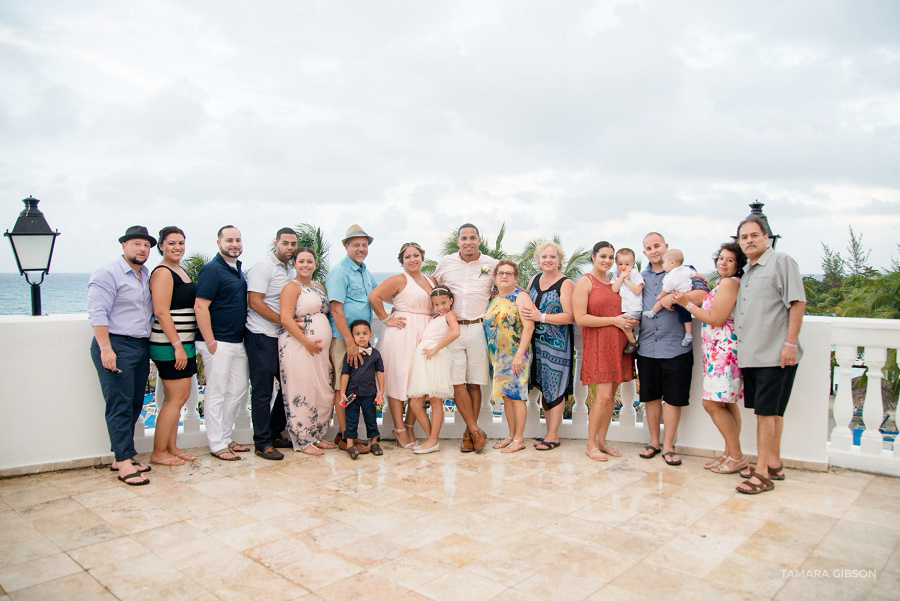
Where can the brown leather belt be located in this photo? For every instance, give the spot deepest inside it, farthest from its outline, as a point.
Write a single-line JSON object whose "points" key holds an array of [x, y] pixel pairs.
{"points": [[468, 322]]}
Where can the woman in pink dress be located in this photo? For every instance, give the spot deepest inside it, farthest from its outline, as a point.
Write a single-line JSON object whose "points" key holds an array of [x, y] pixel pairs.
{"points": [[723, 383], [598, 310], [305, 369], [409, 293]]}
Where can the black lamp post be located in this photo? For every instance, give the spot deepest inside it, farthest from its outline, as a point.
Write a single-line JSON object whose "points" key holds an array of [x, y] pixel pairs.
{"points": [[32, 242]]}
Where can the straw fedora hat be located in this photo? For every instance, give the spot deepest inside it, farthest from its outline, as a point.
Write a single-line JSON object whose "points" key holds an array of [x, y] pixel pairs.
{"points": [[355, 231]]}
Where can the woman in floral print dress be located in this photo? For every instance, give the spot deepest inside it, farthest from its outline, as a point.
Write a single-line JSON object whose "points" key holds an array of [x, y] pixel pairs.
{"points": [[723, 385], [303, 353]]}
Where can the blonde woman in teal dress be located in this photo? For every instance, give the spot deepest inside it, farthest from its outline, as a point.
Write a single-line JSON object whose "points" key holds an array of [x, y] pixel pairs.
{"points": [[509, 343]]}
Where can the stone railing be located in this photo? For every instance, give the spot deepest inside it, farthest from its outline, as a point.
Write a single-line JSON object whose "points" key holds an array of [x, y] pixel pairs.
{"points": [[51, 409]]}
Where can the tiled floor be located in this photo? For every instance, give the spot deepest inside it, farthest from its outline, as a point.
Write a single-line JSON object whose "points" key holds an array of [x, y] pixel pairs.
{"points": [[530, 525]]}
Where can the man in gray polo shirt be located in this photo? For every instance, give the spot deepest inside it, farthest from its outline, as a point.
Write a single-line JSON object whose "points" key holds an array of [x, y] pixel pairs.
{"points": [[767, 318], [264, 283]]}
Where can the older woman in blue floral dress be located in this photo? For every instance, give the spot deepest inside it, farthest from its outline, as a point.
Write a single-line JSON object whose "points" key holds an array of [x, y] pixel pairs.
{"points": [[723, 385], [509, 344]]}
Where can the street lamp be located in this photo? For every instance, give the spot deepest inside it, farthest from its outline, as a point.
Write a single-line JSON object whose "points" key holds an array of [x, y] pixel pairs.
{"points": [[32, 242]]}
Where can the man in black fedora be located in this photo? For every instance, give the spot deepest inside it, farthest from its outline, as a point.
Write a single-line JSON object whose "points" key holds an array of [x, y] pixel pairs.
{"points": [[119, 310]]}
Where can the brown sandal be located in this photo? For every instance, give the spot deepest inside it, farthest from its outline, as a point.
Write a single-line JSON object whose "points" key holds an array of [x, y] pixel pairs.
{"points": [[772, 474], [225, 454], [754, 489]]}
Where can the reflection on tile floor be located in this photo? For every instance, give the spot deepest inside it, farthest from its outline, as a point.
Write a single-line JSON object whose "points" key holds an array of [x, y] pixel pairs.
{"points": [[531, 525]]}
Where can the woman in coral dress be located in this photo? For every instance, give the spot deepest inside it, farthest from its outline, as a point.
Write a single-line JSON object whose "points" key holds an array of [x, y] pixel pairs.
{"points": [[303, 352], [409, 294], [723, 383], [598, 310]]}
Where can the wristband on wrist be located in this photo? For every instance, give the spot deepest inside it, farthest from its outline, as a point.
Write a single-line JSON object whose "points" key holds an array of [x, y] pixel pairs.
{"points": [[209, 344], [174, 344], [105, 348], [689, 305], [790, 345], [543, 318]]}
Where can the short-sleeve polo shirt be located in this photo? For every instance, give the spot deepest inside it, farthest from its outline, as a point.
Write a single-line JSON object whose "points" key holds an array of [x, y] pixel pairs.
{"points": [[226, 289], [761, 315]]}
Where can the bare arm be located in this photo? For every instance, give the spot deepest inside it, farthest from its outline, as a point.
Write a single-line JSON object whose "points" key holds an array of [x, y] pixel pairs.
{"points": [[638, 289], [722, 305], [385, 293], [617, 285], [583, 318], [161, 286], [518, 363], [340, 321], [452, 334], [795, 319], [287, 303], [345, 379], [204, 323], [255, 301]]}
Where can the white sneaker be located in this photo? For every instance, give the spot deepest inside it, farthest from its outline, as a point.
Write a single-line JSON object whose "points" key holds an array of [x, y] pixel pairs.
{"points": [[421, 451]]}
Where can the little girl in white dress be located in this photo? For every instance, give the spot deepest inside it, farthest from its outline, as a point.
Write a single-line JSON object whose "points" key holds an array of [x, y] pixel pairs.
{"points": [[430, 374]]}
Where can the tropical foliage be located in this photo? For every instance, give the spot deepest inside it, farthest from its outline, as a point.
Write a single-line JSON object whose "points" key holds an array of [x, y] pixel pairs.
{"points": [[193, 263], [310, 236], [573, 268]]}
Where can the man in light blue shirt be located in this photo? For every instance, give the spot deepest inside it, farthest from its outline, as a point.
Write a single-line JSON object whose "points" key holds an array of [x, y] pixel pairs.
{"points": [[349, 284], [119, 311]]}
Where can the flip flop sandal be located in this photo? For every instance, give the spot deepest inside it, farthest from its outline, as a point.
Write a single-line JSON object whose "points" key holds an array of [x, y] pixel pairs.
{"points": [[754, 489], [324, 444], [130, 477], [673, 462], [656, 451], [312, 450], [170, 462], [238, 447], [596, 455], [223, 455], [187, 457], [141, 469], [548, 444], [611, 451]]}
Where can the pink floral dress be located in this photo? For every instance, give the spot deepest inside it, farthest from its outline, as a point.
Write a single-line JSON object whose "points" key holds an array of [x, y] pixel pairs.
{"points": [[722, 379]]}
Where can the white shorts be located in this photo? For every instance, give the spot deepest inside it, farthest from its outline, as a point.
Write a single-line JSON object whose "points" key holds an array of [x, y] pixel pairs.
{"points": [[470, 356]]}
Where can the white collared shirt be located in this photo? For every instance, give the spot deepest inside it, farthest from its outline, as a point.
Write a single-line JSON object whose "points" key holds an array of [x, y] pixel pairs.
{"points": [[470, 283], [268, 276]]}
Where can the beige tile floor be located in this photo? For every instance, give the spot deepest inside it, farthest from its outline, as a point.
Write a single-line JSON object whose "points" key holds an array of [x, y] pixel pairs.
{"points": [[446, 526]]}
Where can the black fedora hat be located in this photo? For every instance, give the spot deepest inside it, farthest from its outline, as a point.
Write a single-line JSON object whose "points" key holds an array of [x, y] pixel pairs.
{"points": [[138, 231]]}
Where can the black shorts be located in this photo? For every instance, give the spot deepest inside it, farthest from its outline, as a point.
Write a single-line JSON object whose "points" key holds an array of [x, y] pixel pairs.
{"points": [[767, 390], [167, 371], [666, 379]]}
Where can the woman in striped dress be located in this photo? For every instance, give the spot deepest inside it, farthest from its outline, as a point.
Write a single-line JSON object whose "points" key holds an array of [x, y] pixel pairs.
{"points": [[172, 343]]}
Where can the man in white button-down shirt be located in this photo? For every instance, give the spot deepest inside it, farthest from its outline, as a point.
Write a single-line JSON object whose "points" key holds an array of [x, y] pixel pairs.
{"points": [[470, 276]]}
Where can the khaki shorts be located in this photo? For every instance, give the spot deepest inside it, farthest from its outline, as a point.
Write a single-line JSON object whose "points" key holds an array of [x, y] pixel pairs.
{"points": [[337, 352], [470, 356]]}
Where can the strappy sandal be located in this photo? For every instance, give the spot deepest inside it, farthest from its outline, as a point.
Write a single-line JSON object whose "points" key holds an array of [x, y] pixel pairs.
{"points": [[408, 445], [376, 449], [545, 445], [324, 444], [714, 462], [237, 447], [514, 446], [774, 476], [312, 450], [503, 443], [597, 455], [225, 454], [754, 489], [611, 451], [729, 466]]}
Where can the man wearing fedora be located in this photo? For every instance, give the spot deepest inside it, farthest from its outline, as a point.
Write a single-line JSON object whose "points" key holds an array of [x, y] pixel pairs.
{"points": [[119, 311], [349, 284]]}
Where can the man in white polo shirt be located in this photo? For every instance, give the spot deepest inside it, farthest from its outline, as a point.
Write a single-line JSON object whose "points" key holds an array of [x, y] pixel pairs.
{"points": [[264, 283], [470, 276]]}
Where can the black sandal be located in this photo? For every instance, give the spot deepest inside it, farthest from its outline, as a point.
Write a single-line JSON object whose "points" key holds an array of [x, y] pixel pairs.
{"points": [[128, 479], [656, 451]]}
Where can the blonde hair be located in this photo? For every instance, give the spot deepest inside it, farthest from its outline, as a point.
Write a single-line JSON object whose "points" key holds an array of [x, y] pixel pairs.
{"points": [[559, 252]]}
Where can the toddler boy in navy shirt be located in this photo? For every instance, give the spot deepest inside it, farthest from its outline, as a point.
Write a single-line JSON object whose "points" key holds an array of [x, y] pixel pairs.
{"points": [[366, 382]]}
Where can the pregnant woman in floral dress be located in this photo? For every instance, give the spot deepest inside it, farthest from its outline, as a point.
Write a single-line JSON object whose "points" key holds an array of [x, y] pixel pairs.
{"points": [[305, 366]]}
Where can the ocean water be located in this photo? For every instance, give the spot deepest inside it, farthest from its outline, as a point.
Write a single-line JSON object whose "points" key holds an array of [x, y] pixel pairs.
{"points": [[60, 293]]}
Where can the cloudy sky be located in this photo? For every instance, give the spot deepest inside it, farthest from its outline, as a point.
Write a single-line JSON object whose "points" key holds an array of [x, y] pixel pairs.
{"points": [[592, 120]]}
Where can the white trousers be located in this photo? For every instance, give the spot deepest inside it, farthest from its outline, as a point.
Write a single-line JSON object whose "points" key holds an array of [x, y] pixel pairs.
{"points": [[227, 387]]}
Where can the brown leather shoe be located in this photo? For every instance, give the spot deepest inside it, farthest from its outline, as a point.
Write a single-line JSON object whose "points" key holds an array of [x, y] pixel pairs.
{"points": [[467, 446], [479, 439], [340, 442], [362, 447], [282, 443], [270, 453]]}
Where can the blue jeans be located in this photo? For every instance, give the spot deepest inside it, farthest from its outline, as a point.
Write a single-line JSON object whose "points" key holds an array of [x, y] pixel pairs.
{"points": [[124, 392], [366, 404]]}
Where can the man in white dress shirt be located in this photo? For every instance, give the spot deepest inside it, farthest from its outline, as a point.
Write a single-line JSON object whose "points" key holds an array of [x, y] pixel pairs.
{"points": [[470, 276]]}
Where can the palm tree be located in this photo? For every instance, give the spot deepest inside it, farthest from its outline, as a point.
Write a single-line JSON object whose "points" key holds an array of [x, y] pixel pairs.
{"points": [[451, 246], [573, 268], [310, 236], [194, 263]]}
